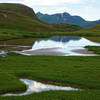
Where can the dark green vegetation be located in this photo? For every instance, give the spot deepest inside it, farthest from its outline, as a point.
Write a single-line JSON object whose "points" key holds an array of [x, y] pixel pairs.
{"points": [[95, 49], [66, 18], [63, 27], [24, 41], [92, 33], [59, 95], [10, 83], [20, 21], [19, 17], [17, 8], [83, 73], [95, 29]]}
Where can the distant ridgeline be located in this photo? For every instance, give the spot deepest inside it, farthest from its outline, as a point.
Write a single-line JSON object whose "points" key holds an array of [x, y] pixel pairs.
{"points": [[66, 18], [22, 18], [95, 29]]}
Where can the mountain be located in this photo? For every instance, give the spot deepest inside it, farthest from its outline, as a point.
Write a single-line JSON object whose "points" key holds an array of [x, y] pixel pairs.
{"points": [[22, 18], [66, 18], [20, 21]]}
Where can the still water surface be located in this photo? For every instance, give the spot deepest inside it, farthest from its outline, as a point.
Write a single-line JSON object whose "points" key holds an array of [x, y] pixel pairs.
{"points": [[61, 44], [35, 87]]}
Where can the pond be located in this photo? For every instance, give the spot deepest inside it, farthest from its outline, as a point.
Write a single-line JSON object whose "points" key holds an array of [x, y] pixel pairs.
{"points": [[61, 46], [35, 87], [3, 53]]}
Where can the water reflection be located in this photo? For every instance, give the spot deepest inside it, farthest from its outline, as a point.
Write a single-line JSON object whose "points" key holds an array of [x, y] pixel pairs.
{"points": [[3, 52], [34, 87], [61, 44]]}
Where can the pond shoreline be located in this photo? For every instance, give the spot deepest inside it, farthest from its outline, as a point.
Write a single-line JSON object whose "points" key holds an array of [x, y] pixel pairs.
{"points": [[19, 90], [84, 51]]}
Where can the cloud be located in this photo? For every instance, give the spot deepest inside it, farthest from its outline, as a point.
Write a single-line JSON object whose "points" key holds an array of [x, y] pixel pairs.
{"points": [[60, 10], [50, 2], [91, 12], [43, 2], [88, 9]]}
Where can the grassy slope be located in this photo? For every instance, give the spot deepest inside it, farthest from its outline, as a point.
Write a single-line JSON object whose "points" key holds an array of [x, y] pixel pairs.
{"points": [[24, 25], [83, 72], [19, 21], [92, 33], [95, 30], [20, 17], [18, 8]]}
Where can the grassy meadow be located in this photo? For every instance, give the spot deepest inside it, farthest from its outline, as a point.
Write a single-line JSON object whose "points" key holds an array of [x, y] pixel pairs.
{"points": [[79, 72], [23, 28], [59, 95], [95, 49]]}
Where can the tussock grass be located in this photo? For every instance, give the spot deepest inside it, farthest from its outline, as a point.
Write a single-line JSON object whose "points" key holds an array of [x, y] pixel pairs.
{"points": [[95, 49]]}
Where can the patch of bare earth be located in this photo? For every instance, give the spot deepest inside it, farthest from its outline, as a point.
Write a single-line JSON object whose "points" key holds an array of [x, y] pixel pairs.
{"points": [[84, 51]]}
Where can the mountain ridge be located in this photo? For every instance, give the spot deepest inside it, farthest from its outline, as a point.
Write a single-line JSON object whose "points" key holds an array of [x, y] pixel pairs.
{"points": [[20, 21], [66, 18], [22, 17]]}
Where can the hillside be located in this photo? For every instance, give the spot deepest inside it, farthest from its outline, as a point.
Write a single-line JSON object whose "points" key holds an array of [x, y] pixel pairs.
{"points": [[21, 17], [95, 29], [92, 33], [18, 8], [18, 20], [66, 18]]}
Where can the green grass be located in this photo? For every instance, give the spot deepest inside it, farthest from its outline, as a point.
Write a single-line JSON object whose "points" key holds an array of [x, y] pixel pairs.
{"points": [[36, 67], [59, 95], [19, 21], [17, 37], [9, 83], [24, 24], [95, 49], [27, 41], [81, 72], [18, 8]]}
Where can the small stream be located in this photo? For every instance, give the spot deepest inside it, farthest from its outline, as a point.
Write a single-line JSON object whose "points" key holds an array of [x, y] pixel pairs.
{"points": [[35, 87]]}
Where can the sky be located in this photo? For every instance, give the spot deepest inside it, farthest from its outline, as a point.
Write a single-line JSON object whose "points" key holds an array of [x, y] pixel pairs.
{"points": [[88, 9]]}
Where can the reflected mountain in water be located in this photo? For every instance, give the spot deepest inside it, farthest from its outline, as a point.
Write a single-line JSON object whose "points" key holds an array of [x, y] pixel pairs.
{"points": [[60, 45], [63, 38], [62, 42]]}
